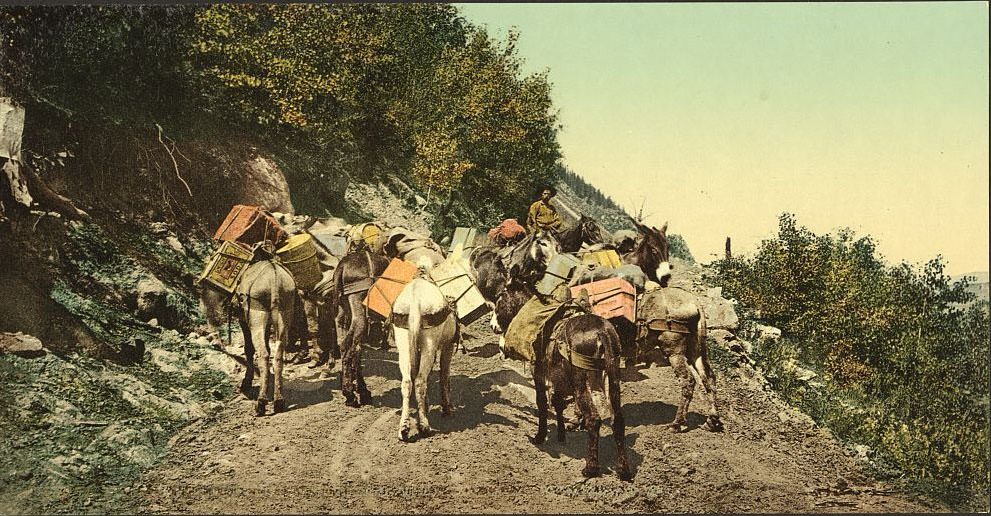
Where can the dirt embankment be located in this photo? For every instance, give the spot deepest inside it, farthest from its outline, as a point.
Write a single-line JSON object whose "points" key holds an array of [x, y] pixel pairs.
{"points": [[322, 456]]}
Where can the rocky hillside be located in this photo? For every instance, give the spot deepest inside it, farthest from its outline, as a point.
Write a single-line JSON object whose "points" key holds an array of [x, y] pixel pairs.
{"points": [[103, 347], [103, 396]]}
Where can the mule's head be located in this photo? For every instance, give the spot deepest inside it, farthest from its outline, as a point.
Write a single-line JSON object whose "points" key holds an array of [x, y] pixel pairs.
{"points": [[591, 234], [654, 251], [512, 298], [543, 247]]}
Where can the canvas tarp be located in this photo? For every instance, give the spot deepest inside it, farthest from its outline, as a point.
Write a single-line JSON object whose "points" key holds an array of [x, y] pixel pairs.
{"points": [[525, 329], [668, 303], [401, 241]]}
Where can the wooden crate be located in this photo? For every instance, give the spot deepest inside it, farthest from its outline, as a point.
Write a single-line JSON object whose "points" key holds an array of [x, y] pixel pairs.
{"points": [[560, 269], [611, 297], [250, 225], [465, 237], [455, 280], [387, 288], [225, 267]]}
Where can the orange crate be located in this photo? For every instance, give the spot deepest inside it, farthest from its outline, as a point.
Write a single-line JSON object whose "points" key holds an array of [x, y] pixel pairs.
{"points": [[611, 297], [250, 225], [388, 287]]}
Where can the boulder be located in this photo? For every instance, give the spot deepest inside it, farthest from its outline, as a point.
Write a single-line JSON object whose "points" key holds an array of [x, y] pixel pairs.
{"points": [[173, 242], [763, 333], [150, 295], [719, 312], [801, 374], [20, 344], [150, 301], [263, 184], [723, 338]]}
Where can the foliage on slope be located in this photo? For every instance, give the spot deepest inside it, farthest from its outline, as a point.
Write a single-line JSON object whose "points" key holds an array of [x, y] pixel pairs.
{"points": [[906, 366], [343, 91]]}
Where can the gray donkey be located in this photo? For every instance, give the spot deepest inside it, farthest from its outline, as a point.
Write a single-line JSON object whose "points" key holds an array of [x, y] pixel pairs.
{"points": [[266, 295]]}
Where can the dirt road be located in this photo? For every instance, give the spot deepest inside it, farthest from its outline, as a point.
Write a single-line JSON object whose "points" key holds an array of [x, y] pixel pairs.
{"points": [[321, 456]]}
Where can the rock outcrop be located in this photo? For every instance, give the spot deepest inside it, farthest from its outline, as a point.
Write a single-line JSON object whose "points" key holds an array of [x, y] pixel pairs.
{"points": [[264, 184]]}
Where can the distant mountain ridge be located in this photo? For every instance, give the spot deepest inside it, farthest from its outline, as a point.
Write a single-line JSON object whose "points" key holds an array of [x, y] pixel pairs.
{"points": [[979, 284]]}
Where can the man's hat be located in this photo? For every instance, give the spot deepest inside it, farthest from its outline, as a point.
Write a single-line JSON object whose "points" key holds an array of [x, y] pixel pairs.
{"points": [[547, 187]]}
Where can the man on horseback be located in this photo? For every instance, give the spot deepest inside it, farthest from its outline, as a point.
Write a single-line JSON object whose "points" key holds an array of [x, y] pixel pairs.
{"points": [[543, 215]]}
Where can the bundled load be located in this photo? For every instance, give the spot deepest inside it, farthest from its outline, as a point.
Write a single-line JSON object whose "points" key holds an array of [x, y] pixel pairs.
{"points": [[224, 268], [612, 297], [464, 237], [250, 225], [532, 325], [369, 232], [299, 256], [507, 231], [406, 245], [603, 258], [292, 224], [560, 270], [387, 288], [454, 279], [331, 233]]}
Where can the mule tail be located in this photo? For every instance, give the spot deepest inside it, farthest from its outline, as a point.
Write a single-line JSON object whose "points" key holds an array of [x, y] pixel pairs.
{"points": [[415, 323], [611, 354], [702, 334]]}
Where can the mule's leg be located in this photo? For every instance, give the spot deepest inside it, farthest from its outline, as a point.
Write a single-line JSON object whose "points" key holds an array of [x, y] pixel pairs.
{"points": [[258, 320], [331, 315], [402, 345], [540, 385], [249, 356], [365, 331], [351, 349], [708, 381], [680, 366], [298, 340], [446, 352], [618, 427], [326, 335], [559, 402], [364, 395], [583, 397], [427, 355], [280, 338]]}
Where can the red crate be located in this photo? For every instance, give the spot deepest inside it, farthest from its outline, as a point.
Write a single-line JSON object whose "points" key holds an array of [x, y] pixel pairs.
{"points": [[387, 288], [250, 225], [611, 297]]}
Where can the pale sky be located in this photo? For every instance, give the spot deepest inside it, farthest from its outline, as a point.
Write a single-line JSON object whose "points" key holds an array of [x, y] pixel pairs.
{"points": [[723, 116]]}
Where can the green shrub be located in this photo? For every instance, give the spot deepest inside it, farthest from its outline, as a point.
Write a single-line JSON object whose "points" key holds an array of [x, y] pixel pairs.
{"points": [[905, 366]]}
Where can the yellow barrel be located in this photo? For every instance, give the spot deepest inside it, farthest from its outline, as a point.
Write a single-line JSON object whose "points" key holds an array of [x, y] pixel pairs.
{"points": [[299, 255], [369, 232]]}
